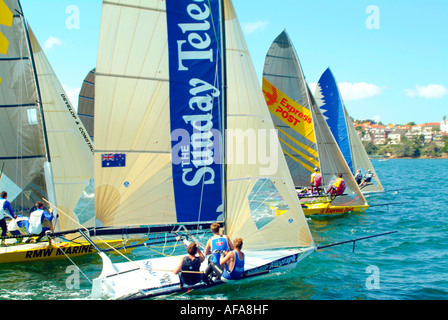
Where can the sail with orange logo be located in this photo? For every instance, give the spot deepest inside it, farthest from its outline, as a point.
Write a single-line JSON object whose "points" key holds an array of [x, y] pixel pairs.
{"points": [[293, 119], [306, 139]]}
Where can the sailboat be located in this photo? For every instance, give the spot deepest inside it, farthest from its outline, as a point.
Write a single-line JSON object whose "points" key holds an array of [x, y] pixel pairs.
{"points": [[86, 102], [306, 140], [45, 151], [174, 81], [329, 100]]}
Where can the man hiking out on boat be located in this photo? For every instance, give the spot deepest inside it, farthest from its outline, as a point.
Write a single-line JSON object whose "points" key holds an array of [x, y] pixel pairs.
{"points": [[358, 176], [5, 206], [36, 220], [189, 266], [233, 261], [216, 245], [338, 187], [367, 178], [316, 181]]}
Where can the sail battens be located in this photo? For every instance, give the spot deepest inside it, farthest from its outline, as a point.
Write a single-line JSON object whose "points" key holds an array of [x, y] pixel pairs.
{"points": [[127, 76], [281, 76], [279, 57], [14, 59], [88, 98], [135, 151], [18, 105], [23, 157]]}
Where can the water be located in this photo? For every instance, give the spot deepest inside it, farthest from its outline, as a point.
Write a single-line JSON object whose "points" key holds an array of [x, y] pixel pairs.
{"points": [[411, 264]]}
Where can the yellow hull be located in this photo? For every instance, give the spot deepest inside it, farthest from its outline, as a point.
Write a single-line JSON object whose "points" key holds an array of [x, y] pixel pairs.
{"points": [[325, 208], [47, 250]]}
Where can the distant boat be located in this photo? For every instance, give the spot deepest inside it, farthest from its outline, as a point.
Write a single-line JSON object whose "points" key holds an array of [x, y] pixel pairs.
{"points": [[305, 137], [329, 100], [153, 84], [86, 102], [45, 152]]}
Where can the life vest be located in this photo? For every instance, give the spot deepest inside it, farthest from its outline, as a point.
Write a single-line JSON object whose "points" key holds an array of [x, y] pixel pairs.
{"points": [[238, 269], [35, 222], [219, 245], [369, 177], [191, 265]]}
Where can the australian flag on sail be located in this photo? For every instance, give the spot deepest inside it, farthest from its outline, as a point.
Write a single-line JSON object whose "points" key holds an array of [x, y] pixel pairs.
{"points": [[113, 160], [196, 107]]}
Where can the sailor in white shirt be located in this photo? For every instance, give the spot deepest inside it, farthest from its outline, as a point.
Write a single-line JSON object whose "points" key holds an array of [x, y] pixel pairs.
{"points": [[36, 219]]}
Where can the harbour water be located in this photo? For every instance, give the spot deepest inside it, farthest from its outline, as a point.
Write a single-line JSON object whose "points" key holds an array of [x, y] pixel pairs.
{"points": [[411, 264]]}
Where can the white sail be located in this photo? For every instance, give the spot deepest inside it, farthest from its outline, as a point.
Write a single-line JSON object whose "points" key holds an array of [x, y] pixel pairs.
{"points": [[131, 116], [71, 150], [247, 109]]}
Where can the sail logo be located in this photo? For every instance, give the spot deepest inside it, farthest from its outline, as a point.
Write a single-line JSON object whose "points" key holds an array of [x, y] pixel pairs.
{"points": [[288, 111], [196, 107], [6, 18]]}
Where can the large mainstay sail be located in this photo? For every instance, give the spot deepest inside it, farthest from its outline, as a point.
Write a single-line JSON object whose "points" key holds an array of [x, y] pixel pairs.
{"points": [[156, 140], [170, 106], [306, 143], [329, 99]]}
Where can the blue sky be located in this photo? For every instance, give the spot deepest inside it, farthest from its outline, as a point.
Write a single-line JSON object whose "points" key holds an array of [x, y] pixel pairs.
{"points": [[390, 57]]}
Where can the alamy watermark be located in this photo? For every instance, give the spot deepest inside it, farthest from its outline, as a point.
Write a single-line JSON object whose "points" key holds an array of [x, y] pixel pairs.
{"points": [[373, 20], [73, 21], [204, 147], [73, 280], [373, 280]]}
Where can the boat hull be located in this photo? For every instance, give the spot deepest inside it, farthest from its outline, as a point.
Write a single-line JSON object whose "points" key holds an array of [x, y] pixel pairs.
{"points": [[154, 277], [325, 208], [48, 250]]}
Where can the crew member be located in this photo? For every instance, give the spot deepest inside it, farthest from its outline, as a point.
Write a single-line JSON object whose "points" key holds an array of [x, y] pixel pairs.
{"points": [[189, 266], [367, 178], [338, 187], [5, 206], [36, 219], [233, 261], [316, 180]]}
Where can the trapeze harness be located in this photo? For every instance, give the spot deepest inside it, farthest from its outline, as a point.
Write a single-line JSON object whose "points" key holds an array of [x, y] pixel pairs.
{"points": [[190, 265], [237, 271]]}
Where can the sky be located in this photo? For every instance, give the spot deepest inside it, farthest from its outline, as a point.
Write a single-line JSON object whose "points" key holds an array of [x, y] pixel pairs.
{"points": [[389, 57]]}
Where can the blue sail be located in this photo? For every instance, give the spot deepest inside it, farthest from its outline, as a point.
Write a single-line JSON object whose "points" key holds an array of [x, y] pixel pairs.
{"points": [[333, 110], [196, 107]]}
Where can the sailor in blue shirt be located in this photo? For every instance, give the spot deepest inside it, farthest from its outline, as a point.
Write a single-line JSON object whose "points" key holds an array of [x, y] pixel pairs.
{"points": [[216, 245], [233, 262], [4, 207]]}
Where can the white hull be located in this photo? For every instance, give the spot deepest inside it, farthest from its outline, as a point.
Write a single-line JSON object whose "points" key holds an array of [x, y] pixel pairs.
{"points": [[153, 277]]}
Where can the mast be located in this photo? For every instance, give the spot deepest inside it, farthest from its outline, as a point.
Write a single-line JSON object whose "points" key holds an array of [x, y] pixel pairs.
{"points": [[224, 117]]}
